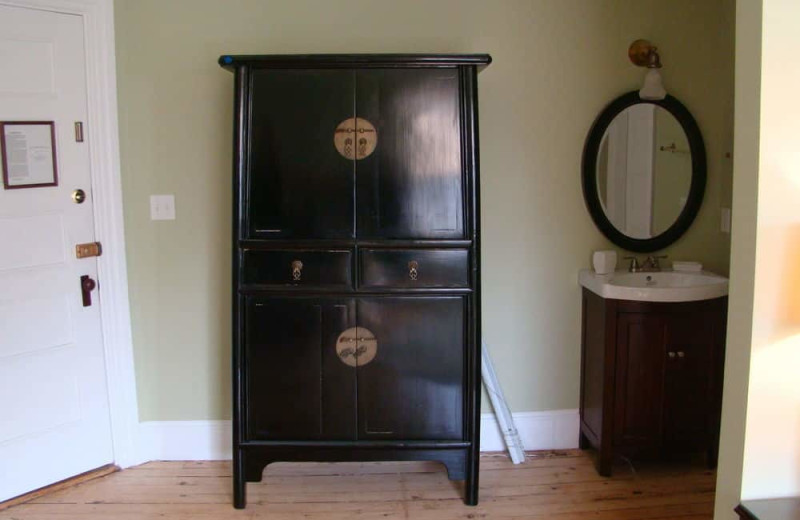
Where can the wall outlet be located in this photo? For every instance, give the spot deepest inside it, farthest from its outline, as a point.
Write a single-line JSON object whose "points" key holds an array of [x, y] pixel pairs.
{"points": [[162, 207], [725, 220]]}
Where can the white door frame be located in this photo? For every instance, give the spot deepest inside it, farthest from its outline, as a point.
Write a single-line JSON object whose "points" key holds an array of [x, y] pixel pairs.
{"points": [[103, 131]]}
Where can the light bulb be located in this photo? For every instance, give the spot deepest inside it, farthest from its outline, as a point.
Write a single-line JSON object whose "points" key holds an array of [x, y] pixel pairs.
{"points": [[652, 88]]}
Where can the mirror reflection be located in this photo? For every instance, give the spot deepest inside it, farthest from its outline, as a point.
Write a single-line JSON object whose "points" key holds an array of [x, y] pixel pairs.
{"points": [[644, 171]]}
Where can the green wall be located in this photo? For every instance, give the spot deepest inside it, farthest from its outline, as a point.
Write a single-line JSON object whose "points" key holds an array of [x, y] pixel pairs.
{"points": [[557, 63]]}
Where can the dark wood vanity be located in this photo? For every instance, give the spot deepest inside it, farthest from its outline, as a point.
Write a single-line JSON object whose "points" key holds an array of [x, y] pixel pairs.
{"points": [[651, 377], [356, 280]]}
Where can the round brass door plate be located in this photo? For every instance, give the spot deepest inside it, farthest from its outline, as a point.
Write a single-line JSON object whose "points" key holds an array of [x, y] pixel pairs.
{"points": [[356, 346], [355, 138]]}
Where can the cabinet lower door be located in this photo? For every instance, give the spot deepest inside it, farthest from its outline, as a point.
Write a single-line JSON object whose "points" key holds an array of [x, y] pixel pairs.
{"points": [[295, 385], [413, 386], [690, 379], [639, 379]]}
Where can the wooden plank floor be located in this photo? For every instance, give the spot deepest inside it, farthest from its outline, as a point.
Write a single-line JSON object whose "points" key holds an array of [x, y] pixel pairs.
{"points": [[555, 485]]}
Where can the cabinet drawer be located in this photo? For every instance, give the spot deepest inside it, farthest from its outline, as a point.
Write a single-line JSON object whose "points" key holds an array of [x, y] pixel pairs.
{"points": [[297, 268], [414, 268]]}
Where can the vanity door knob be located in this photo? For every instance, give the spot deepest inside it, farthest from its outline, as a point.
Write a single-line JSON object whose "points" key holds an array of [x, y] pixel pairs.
{"points": [[671, 354], [681, 354]]}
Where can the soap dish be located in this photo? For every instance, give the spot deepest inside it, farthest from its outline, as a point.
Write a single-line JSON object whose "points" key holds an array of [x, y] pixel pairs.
{"points": [[691, 267]]}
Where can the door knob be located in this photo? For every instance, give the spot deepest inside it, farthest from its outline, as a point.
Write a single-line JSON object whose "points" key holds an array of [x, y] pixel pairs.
{"points": [[78, 196], [671, 354], [87, 286]]}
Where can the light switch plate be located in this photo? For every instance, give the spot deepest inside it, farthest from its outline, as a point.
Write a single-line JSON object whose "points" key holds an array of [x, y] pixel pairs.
{"points": [[162, 207]]}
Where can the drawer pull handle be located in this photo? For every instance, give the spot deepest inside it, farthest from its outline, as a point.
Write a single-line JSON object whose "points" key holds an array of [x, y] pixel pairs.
{"points": [[297, 270], [412, 269]]}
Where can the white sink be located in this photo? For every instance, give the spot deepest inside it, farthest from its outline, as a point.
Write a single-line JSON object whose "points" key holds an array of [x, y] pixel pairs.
{"points": [[663, 286]]}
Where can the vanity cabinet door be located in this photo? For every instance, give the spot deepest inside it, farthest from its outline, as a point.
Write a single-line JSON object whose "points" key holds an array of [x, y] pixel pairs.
{"points": [[412, 388], [639, 379], [296, 386], [690, 379], [412, 185], [298, 185]]}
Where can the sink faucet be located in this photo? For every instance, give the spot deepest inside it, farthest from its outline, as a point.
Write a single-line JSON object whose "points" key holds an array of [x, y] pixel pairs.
{"points": [[634, 267], [650, 264]]}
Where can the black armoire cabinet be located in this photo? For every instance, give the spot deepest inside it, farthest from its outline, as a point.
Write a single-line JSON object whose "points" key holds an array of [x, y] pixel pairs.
{"points": [[356, 279]]}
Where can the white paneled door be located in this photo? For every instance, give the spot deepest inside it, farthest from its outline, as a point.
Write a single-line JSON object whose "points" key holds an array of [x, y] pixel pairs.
{"points": [[54, 413]]}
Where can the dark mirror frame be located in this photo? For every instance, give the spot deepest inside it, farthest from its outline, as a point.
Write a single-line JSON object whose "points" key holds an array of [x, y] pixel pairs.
{"points": [[696, 190]]}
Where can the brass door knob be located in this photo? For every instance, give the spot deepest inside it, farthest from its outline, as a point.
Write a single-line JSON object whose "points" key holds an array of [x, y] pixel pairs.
{"points": [[78, 196]]}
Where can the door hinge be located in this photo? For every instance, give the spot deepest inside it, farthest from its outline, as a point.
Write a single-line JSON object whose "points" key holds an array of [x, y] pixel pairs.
{"points": [[78, 132], [88, 249]]}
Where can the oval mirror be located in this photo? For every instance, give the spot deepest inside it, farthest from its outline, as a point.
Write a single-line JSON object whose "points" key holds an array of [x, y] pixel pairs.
{"points": [[644, 172]]}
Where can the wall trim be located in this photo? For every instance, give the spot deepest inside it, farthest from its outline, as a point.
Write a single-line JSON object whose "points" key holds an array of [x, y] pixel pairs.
{"points": [[103, 130], [211, 440], [548, 430]]}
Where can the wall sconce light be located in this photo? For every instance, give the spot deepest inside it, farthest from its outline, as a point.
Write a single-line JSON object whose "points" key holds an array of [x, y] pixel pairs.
{"points": [[644, 54]]}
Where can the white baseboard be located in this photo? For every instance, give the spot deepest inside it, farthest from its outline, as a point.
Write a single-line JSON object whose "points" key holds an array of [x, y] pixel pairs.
{"points": [[550, 430], [211, 440], [186, 440]]}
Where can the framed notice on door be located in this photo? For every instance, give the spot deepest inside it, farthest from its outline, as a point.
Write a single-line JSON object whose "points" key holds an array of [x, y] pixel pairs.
{"points": [[28, 154]]}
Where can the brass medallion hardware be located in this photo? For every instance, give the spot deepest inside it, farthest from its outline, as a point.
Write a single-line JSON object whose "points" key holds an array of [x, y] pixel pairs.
{"points": [[88, 249], [355, 138], [412, 269], [356, 346], [297, 270], [78, 196]]}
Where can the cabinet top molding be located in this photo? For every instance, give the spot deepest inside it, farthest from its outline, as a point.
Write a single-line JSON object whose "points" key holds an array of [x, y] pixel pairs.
{"points": [[301, 61]]}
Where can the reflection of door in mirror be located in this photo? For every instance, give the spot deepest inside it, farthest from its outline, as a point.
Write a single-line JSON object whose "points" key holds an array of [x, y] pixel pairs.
{"points": [[626, 170], [643, 171]]}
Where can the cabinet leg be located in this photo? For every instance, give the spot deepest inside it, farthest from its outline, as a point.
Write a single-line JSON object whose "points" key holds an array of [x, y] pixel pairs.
{"points": [[583, 441], [239, 489], [471, 483], [605, 458]]}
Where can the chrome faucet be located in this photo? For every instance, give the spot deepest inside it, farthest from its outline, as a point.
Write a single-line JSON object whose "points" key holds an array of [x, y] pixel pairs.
{"points": [[634, 267], [650, 264]]}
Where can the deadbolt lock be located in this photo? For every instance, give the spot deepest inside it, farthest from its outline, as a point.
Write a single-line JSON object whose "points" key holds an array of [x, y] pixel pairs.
{"points": [[88, 249]]}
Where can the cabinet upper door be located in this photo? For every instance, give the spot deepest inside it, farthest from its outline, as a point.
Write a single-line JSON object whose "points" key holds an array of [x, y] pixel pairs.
{"points": [[411, 378], [298, 184], [412, 185]]}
